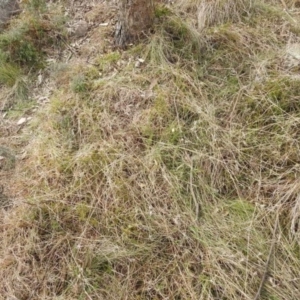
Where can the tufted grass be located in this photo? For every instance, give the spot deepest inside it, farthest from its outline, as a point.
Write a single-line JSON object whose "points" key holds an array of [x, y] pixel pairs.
{"points": [[173, 179]]}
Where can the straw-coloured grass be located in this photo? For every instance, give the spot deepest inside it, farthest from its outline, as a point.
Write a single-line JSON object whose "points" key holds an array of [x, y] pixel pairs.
{"points": [[177, 179]]}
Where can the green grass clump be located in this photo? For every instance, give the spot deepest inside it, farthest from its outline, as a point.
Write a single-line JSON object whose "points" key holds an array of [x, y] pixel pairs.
{"points": [[36, 6], [19, 49], [9, 74], [175, 39], [12, 76], [27, 39], [106, 62], [161, 11], [25, 43], [79, 84]]}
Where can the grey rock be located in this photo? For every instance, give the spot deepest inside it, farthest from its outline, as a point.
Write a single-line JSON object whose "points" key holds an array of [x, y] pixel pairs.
{"points": [[81, 29]]}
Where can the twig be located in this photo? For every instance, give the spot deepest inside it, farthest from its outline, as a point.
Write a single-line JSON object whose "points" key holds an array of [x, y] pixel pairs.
{"points": [[265, 274], [9, 109], [197, 208]]}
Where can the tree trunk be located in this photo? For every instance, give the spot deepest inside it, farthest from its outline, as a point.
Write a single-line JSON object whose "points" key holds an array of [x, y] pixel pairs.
{"points": [[135, 19]]}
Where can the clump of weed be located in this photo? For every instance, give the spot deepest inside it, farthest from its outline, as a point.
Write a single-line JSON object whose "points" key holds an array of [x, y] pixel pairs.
{"points": [[161, 11], [216, 12], [79, 84], [26, 41], [35, 6], [12, 76], [175, 38], [107, 62], [9, 74], [24, 44]]}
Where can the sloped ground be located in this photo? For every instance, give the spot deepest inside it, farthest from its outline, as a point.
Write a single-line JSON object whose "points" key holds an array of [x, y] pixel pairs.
{"points": [[166, 171]]}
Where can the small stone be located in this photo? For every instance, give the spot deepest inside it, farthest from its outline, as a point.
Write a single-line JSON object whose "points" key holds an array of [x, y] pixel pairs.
{"points": [[81, 29], [294, 50], [40, 79], [22, 121]]}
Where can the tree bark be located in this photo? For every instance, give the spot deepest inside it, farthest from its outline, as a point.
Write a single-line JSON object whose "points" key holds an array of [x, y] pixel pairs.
{"points": [[135, 19]]}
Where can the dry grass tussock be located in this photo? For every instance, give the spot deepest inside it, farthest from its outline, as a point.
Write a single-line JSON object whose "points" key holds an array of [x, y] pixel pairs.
{"points": [[216, 12], [165, 181]]}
